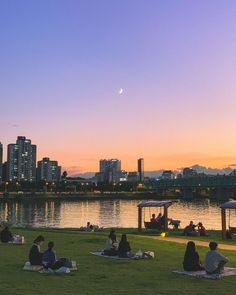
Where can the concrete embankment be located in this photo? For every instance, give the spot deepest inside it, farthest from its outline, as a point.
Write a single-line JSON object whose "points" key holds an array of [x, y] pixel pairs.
{"points": [[81, 196]]}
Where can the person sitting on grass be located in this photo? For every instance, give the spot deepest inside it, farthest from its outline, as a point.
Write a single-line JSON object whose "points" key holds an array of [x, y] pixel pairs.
{"points": [[191, 258], [214, 261], [202, 230], [190, 230], [50, 260], [111, 244], [35, 256], [124, 247], [49, 256], [6, 236]]}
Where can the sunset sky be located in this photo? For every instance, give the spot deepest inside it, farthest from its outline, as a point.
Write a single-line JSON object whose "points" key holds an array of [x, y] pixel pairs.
{"points": [[62, 64]]}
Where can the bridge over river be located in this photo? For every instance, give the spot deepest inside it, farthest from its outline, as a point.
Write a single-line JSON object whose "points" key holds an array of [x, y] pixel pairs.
{"points": [[219, 187]]}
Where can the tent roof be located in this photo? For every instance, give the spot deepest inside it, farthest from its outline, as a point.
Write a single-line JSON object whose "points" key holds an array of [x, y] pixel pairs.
{"points": [[166, 203], [229, 205]]}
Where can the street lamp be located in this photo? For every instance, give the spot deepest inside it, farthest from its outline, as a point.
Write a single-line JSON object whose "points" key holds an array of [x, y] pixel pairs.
{"points": [[6, 184]]}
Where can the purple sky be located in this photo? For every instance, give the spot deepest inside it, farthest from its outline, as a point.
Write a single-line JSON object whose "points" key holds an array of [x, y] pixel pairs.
{"points": [[62, 64]]}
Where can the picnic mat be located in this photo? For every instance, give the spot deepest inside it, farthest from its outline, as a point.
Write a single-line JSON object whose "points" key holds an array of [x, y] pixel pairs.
{"points": [[30, 267], [228, 271], [107, 256]]}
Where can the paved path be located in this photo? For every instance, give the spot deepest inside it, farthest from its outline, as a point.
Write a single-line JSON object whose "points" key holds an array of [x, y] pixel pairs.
{"points": [[197, 242]]}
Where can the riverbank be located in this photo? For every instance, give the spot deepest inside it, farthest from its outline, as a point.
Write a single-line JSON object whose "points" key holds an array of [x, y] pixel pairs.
{"points": [[83, 195], [98, 275]]}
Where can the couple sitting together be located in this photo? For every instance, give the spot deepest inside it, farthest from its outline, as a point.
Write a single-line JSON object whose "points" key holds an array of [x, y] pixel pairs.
{"points": [[113, 248], [47, 258], [190, 230], [214, 261]]}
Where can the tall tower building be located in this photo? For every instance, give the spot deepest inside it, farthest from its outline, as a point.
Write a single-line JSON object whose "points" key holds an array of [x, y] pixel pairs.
{"points": [[110, 170], [141, 169], [21, 159], [1, 159]]}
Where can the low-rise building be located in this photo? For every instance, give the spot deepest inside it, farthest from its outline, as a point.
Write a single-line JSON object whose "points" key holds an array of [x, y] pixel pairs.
{"points": [[168, 174]]}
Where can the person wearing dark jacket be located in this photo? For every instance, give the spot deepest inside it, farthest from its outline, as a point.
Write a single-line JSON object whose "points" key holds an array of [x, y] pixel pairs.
{"points": [[35, 256], [49, 256], [6, 236], [124, 247], [191, 258], [50, 260]]}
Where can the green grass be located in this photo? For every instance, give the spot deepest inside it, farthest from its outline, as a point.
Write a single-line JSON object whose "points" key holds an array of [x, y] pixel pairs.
{"points": [[98, 275]]}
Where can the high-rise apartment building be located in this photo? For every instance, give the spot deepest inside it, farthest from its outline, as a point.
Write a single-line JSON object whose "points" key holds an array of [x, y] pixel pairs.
{"points": [[141, 169], [110, 171], [21, 160], [1, 159], [48, 170]]}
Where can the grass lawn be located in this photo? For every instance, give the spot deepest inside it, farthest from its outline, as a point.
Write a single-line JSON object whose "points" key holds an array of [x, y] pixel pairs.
{"points": [[98, 275]]}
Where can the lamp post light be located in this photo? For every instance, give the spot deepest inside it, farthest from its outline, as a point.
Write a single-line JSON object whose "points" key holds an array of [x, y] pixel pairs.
{"points": [[53, 186], [6, 184], [46, 187]]}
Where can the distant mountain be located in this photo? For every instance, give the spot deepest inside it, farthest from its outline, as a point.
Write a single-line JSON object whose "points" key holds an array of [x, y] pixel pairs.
{"points": [[158, 173], [84, 175], [212, 171]]}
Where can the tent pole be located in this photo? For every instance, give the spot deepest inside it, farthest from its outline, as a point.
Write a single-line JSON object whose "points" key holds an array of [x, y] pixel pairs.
{"points": [[139, 219], [223, 222]]}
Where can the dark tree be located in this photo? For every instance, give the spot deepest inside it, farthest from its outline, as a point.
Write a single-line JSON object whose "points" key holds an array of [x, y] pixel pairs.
{"points": [[64, 175]]}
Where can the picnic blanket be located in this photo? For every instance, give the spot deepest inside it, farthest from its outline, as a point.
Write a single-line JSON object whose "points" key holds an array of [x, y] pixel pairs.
{"points": [[228, 271], [100, 254], [30, 267], [138, 255]]}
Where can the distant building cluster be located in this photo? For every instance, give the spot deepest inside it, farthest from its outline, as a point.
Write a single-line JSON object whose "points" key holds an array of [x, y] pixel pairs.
{"points": [[110, 172], [186, 173], [21, 164]]}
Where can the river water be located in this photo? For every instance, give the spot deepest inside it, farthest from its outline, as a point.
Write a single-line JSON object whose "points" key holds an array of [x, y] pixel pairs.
{"points": [[105, 213]]}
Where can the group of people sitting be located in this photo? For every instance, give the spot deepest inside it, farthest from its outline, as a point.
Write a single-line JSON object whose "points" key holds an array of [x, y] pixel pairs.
{"points": [[160, 220], [114, 248], [47, 258], [89, 227], [214, 261], [195, 229]]}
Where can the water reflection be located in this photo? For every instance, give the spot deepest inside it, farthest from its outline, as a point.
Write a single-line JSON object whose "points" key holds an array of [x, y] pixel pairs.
{"points": [[106, 213]]}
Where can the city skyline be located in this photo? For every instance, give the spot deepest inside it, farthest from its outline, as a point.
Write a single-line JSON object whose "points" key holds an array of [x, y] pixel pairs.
{"points": [[139, 165], [64, 66]]}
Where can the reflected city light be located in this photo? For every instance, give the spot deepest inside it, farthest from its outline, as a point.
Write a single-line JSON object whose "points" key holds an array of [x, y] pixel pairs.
{"points": [[105, 213]]}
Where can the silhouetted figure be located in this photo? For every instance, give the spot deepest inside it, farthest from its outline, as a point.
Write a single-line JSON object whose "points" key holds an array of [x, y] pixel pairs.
{"points": [[124, 247], [190, 230], [153, 219], [202, 230], [6, 236], [191, 258]]}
